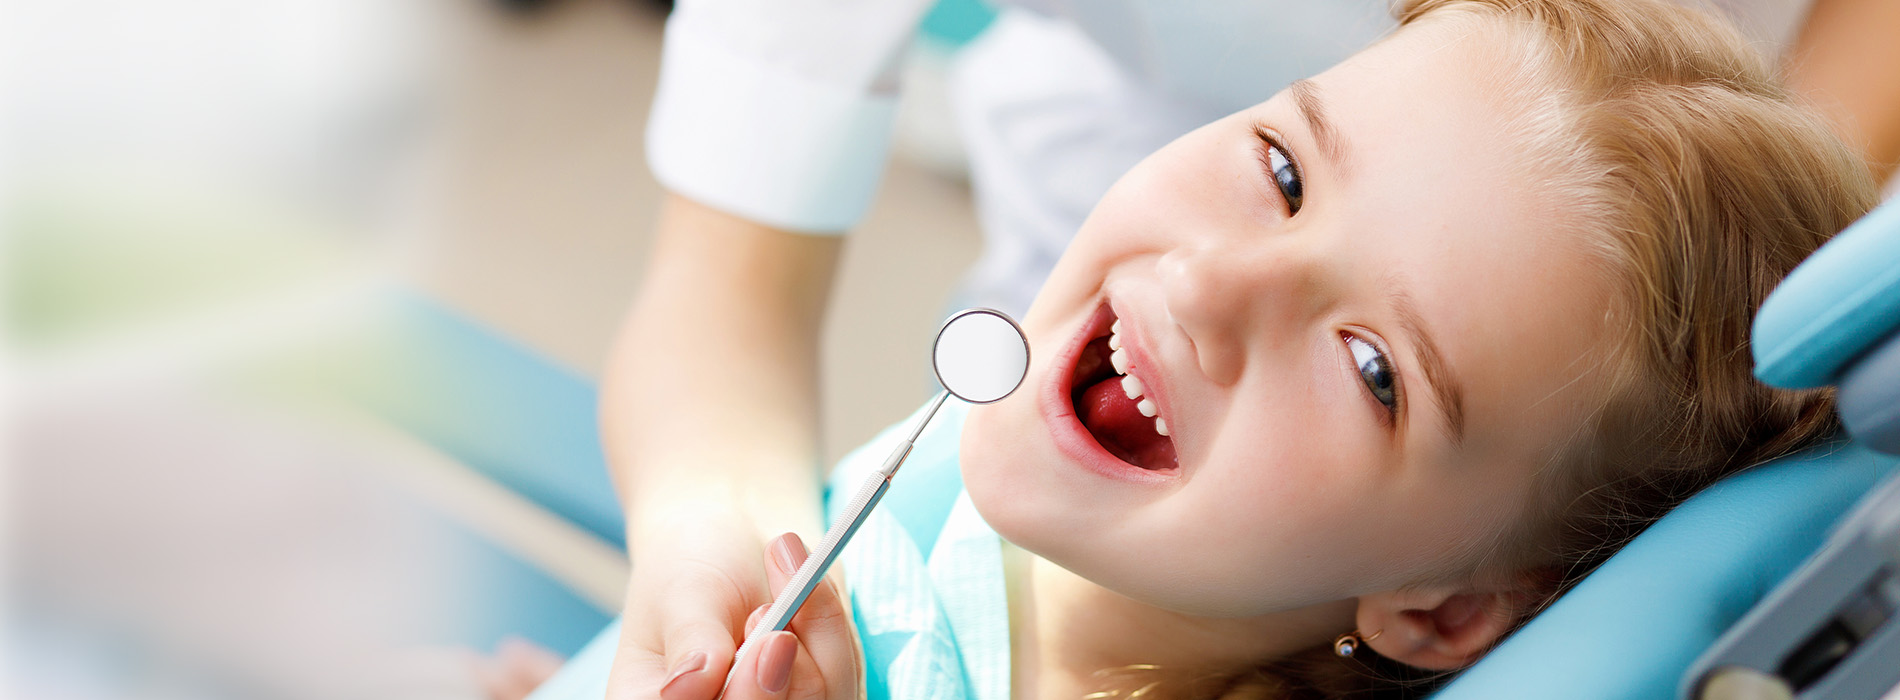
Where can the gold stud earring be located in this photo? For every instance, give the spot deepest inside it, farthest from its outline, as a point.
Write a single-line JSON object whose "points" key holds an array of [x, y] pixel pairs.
{"points": [[1350, 642]]}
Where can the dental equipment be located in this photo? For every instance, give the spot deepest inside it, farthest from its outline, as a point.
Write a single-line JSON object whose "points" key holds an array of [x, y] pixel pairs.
{"points": [[1832, 629], [980, 356]]}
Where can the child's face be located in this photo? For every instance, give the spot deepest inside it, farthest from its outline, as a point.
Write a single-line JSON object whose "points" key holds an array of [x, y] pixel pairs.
{"points": [[1259, 332]]}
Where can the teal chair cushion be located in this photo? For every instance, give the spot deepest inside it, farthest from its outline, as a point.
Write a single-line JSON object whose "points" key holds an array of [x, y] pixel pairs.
{"points": [[1835, 306], [493, 404], [496, 407], [1634, 626]]}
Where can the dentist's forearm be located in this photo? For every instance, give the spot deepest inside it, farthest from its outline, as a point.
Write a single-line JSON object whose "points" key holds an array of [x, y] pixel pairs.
{"points": [[709, 401], [1846, 60]]}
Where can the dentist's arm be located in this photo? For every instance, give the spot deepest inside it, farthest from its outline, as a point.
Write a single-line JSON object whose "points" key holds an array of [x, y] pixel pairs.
{"points": [[770, 128], [710, 395], [1847, 61], [709, 415]]}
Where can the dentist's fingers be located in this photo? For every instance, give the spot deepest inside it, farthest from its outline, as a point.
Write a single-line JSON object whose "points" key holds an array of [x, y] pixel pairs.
{"points": [[698, 632], [822, 625], [767, 671], [783, 555], [686, 604]]}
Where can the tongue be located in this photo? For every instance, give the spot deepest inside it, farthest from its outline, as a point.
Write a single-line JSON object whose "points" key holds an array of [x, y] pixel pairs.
{"points": [[1118, 425]]}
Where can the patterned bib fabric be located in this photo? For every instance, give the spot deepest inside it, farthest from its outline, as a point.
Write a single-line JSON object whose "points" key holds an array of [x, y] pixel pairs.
{"points": [[925, 573]]}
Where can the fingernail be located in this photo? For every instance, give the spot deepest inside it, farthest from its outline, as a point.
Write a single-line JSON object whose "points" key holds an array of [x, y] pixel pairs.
{"points": [[693, 663], [789, 552], [775, 662]]}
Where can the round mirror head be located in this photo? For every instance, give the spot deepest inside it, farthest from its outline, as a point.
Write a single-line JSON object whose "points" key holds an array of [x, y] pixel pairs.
{"points": [[981, 355]]}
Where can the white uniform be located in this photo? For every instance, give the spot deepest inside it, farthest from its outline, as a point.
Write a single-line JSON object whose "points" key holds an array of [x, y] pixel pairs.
{"points": [[781, 110]]}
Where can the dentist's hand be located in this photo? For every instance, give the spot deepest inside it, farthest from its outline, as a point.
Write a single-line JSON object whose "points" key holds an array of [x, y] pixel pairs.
{"points": [[817, 657], [691, 605]]}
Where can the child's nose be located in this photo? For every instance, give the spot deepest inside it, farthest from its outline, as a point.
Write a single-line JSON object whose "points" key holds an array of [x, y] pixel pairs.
{"points": [[1232, 299]]}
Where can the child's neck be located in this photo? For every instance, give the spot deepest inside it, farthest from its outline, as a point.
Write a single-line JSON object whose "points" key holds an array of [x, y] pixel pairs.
{"points": [[1065, 630]]}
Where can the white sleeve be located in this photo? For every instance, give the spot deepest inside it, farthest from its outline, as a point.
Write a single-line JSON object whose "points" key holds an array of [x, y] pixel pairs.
{"points": [[779, 111]]}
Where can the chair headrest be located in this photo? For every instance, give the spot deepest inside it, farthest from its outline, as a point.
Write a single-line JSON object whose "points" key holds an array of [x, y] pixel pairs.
{"points": [[1639, 621], [1834, 307]]}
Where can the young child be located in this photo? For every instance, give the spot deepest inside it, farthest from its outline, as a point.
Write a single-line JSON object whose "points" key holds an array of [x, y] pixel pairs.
{"points": [[1379, 365]]}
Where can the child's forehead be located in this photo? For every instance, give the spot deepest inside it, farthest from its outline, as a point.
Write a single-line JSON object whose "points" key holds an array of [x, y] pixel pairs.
{"points": [[1427, 132], [1469, 58]]}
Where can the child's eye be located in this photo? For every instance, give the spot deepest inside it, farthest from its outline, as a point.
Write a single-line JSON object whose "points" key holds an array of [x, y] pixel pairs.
{"points": [[1280, 167], [1375, 369]]}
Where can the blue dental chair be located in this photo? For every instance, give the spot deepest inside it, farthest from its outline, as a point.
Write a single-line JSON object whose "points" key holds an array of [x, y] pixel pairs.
{"points": [[1659, 619]]}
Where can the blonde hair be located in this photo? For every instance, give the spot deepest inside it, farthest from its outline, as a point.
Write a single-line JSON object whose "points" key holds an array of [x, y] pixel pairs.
{"points": [[1701, 181]]}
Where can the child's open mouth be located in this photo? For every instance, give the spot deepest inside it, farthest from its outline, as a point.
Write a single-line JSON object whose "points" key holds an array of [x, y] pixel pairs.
{"points": [[1108, 393]]}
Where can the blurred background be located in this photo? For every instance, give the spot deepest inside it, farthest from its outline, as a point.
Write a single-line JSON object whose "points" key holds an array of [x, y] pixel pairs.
{"points": [[305, 300]]}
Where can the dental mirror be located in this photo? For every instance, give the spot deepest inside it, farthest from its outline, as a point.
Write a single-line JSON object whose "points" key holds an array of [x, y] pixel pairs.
{"points": [[980, 356]]}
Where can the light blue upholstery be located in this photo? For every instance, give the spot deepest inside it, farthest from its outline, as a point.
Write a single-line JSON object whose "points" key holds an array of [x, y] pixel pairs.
{"points": [[486, 400], [1832, 308], [585, 674], [497, 408], [1634, 626]]}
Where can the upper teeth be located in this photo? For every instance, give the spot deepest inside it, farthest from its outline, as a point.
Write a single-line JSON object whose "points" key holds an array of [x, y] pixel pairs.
{"points": [[1131, 385]]}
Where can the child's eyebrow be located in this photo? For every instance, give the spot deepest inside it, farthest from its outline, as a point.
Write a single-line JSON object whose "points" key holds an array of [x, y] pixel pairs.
{"points": [[1445, 387], [1313, 109]]}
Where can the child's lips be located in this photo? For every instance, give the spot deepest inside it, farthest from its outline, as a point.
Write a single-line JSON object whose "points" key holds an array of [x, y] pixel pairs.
{"points": [[1074, 439]]}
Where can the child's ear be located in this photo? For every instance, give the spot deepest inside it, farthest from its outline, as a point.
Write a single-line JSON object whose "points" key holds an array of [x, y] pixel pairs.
{"points": [[1441, 628]]}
